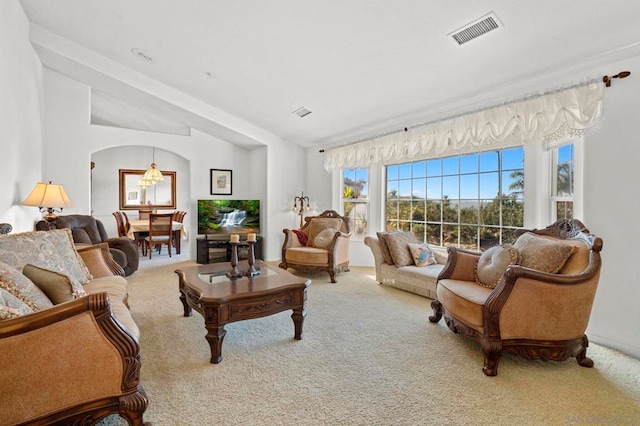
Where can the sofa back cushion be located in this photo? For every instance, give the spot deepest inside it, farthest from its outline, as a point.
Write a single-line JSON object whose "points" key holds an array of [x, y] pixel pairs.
{"points": [[53, 250], [11, 278], [492, 264], [318, 224], [384, 248], [398, 243]]}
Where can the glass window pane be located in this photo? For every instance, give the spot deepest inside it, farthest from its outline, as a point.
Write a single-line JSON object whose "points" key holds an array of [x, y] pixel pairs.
{"points": [[564, 210], [490, 212], [434, 213], [419, 212], [434, 188], [404, 187], [419, 188], [404, 226], [468, 237], [513, 158], [451, 166], [469, 163], [434, 168], [512, 212], [420, 169], [404, 210], [347, 210], [489, 185], [469, 187], [391, 225], [469, 211], [489, 237], [449, 235], [361, 219], [489, 161], [349, 174], [419, 230], [391, 210], [392, 190], [433, 235], [392, 172], [450, 211], [404, 171], [513, 182], [450, 187]]}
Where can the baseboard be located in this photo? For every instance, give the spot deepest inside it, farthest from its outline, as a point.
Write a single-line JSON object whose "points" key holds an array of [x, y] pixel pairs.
{"points": [[627, 349]]}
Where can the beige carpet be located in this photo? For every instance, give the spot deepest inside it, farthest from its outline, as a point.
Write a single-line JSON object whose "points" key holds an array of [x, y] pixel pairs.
{"points": [[369, 356]]}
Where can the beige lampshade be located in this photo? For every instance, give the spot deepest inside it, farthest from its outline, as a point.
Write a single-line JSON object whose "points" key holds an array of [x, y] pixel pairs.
{"points": [[48, 197], [152, 174]]}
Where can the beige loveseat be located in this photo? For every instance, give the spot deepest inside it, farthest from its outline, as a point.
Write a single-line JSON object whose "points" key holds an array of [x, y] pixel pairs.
{"points": [[68, 341], [415, 279]]}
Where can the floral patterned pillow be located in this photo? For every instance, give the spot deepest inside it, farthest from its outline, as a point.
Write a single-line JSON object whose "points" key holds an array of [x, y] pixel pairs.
{"points": [[14, 305], [10, 277], [53, 250], [422, 254]]}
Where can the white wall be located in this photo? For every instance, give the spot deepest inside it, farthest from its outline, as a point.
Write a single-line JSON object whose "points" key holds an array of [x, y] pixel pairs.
{"points": [[611, 204], [71, 142], [20, 118]]}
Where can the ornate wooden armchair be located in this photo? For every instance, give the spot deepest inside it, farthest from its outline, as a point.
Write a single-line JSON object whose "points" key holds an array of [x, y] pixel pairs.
{"points": [[536, 313], [321, 244]]}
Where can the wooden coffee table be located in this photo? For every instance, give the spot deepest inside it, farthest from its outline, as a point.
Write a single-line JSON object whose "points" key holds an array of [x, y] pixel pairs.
{"points": [[221, 300]]}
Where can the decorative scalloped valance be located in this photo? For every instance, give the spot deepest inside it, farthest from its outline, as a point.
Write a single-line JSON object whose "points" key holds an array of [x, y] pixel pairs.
{"points": [[545, 117]]}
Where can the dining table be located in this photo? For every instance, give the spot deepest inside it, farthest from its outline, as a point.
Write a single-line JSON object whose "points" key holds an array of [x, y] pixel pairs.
{"points": [[138, 226]]}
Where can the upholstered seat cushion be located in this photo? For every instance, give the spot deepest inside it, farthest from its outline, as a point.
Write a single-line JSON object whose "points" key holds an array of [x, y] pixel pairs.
{"points": [[308, 255], [116, 288], [465, 300]]}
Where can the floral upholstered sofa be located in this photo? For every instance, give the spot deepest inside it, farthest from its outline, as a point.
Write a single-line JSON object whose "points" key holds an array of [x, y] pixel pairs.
{"points": [[68, 341], [396, 266]]}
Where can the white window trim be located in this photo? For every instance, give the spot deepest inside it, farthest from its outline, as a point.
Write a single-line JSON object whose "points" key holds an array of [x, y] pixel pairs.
{"points": [[578, 177]]}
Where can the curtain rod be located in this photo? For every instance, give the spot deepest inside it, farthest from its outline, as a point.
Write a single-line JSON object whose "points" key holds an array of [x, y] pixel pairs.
{"points": [[605, 79]]}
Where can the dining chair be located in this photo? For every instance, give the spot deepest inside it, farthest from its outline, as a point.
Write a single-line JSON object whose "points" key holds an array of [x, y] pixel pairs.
{"points": [[160, 233], [138, 237], [178, 216], [144, 214], [120, 224]]}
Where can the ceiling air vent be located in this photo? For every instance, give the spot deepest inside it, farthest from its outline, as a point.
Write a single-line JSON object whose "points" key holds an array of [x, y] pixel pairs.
{"points": [[476, 28], [302, 112]]}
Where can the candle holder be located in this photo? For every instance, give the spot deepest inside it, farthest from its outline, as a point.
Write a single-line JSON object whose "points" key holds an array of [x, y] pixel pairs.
{"points": [[252, 271], [234, 273]]}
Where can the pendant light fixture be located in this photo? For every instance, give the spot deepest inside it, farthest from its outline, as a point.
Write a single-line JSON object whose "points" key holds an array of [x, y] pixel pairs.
{"points": [[152, 175]]}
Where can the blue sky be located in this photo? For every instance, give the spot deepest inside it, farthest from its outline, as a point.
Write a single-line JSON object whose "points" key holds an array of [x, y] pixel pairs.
{"points": [[469, 176]]}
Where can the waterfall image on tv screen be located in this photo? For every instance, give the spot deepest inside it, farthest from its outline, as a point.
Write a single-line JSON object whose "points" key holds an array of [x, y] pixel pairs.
{"points": [[228, 217]]}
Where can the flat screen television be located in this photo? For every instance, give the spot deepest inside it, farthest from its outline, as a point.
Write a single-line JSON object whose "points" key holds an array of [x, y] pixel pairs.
{"points": [[225, 217]]}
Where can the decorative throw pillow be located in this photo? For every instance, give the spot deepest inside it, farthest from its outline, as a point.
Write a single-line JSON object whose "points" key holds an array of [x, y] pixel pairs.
{"points": [[386, 254], [7, 313], [398, 243], [542, 254], [317, 224], [302, 237], [9, 300], [57, 286], [324, 238], [24, 285], [422, 254], [52, 250], [10, 286], [492, 264]]}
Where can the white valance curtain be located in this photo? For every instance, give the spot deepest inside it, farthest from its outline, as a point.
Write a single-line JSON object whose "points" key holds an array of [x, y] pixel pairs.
{"points": [[542, 118]]}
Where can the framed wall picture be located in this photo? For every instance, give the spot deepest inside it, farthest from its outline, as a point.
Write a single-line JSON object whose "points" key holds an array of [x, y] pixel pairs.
{"points": [[220, 182]]}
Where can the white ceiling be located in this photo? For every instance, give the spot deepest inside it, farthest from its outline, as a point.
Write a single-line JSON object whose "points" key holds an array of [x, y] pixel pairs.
{"points": [[238, 69]]}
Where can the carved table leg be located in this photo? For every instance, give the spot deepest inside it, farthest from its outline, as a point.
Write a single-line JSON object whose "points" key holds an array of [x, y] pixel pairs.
{"points": [[215, 336], [298, 320], [185, 305]]}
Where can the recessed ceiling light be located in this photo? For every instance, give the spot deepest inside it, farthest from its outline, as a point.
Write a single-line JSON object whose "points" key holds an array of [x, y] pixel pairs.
{"points": [[141, 54]]}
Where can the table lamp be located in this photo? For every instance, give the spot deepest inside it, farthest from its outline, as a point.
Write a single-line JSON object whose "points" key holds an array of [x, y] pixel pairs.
{"points": [[48, 198]]}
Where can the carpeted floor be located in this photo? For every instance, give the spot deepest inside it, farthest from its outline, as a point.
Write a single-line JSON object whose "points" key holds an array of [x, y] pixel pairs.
{"points": [[369, 356]]}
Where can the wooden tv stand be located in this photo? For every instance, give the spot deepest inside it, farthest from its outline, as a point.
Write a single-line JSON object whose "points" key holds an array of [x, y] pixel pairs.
{"points": [[217, 249]]}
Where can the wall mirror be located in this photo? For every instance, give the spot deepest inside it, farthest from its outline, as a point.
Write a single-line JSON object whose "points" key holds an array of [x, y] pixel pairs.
{"points": [[162, 195]]}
